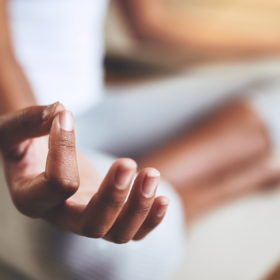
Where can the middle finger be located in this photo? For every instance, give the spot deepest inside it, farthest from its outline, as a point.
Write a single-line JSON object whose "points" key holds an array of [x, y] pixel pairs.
{"points": [[105, 206], [136, 208]]}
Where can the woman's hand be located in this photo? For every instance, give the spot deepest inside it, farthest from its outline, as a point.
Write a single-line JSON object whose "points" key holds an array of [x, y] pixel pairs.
{"points": [[46, 183]]}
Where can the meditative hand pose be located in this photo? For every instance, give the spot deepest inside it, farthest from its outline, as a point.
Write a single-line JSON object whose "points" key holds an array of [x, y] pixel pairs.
{"points": [[50, 51], [49, 186], [61, 60]]}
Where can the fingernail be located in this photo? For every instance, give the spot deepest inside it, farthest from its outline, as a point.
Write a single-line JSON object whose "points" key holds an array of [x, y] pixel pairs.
{"points": [[66, 121], [123, 178], [161, 210], [150, 183], [48, 111]]}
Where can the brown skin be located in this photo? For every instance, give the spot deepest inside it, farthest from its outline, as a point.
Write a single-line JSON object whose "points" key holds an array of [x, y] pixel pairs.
{"points": [[203, 165], [50, 188], [15, 91], [48, 184], [232, 136], [244, 179], [225, 157], [43, 176]]}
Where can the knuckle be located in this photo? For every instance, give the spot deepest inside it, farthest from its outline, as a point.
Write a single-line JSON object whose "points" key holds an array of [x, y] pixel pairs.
{"points": [[64, 157], [97, 234], [142, 211], [67, 186], [23, 208], [121, 239], [24, 119], [66, 141], [29, 213], [138, 238], [92, 232], [15, 154], [112, 201], [153, 223]]}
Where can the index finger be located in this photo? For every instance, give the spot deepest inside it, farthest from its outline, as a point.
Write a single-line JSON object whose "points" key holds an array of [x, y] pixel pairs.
{"points": [[61, 178]]}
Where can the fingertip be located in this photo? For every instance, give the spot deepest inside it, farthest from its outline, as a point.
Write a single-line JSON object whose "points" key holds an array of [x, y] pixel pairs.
{"points": [[163, 200], [126, 163], [123, 170], [58, 109], [63, 121], [51, 111], [162, 205], [55, 128], [66, 121], [150, 172], [150, 180], [155, 217]]}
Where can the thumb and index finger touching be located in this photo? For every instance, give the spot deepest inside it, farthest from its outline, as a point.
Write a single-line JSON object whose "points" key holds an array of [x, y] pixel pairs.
{"points": [[60, 180], [25, 124], [34, 197]]}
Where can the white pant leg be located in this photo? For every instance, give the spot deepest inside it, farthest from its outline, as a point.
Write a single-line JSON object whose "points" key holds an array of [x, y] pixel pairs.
{"points": [[37, 250], [136, 119]]}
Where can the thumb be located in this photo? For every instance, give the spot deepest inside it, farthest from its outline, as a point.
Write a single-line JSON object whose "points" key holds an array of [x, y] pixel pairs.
{"points": [[28, 123]]}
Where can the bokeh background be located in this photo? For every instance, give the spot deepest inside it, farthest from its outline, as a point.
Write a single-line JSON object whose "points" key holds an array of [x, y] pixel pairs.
{"points": [[216, 53], [230, 41]]}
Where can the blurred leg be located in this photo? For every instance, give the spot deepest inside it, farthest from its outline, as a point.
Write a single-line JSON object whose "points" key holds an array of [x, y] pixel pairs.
{"points": [[225, 157], [260, 174], [231, 137], [137, 119]]}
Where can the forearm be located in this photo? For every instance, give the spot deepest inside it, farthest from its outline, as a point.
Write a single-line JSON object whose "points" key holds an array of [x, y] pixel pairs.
{"points": [[156, 21], [15, 91]]}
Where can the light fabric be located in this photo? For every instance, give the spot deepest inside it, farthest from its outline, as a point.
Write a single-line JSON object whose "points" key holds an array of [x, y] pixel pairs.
{"points": [[266, 103], [59, 44], [136, 119]]}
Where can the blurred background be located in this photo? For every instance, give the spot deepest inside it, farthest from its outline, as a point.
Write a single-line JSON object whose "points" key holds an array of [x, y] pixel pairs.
{"points": [[216, 52], [209, 71]]}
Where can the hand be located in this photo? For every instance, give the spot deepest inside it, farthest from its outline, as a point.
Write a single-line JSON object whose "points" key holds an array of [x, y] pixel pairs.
{"points": [[47, 185]]}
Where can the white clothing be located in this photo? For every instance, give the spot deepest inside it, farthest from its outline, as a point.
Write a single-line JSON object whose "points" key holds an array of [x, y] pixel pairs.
{"points": [[133, 120], [59, 44], [266, 102]]}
